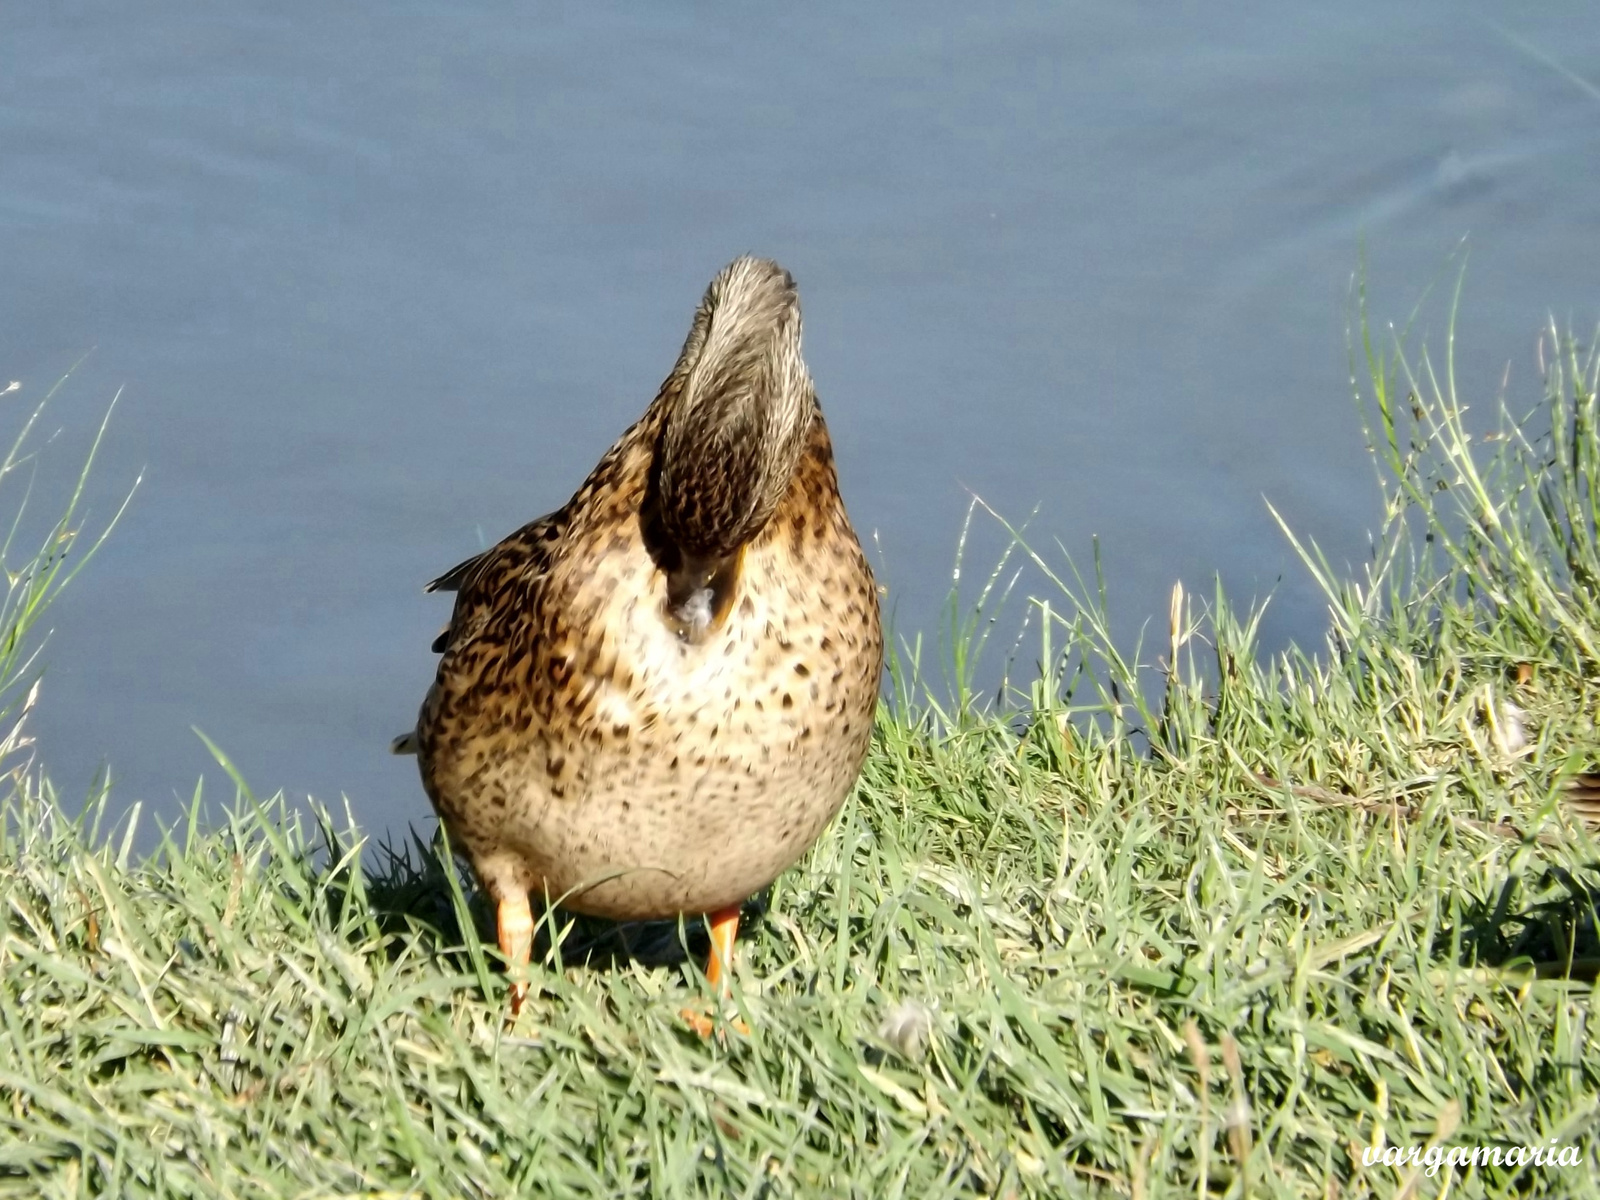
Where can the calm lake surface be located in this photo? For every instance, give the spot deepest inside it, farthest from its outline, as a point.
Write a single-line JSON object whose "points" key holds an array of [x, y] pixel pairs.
{"points": [[379, 286]]}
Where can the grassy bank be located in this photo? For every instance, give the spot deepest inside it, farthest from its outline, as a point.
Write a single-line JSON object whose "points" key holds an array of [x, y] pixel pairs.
{"points": [[1207, 923]]}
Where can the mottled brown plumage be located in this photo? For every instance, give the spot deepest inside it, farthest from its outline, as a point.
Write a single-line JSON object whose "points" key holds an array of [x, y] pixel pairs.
{"points": [[653, 700]]}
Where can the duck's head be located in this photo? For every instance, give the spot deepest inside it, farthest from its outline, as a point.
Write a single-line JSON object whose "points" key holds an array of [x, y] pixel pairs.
{"points": [[739, 406]]}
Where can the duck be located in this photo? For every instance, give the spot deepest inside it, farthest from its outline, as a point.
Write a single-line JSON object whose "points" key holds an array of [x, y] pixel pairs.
{"points": [[652, 701]]}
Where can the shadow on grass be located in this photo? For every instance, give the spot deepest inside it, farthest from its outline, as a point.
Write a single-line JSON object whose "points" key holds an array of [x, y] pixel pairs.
{"points": [[416, 885], [1550, 927]]}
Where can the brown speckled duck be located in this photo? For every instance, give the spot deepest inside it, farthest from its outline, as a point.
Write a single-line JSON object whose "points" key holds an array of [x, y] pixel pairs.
{"points": [[653, 700]]}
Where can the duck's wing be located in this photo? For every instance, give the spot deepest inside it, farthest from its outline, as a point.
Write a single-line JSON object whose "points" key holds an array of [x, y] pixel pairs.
{"points": [[452, 579], [491, 590], [489, 582]]}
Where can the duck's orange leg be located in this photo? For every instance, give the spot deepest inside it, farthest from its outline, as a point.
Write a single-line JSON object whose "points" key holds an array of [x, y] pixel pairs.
{"points": [[724, 929], [514, 926]]}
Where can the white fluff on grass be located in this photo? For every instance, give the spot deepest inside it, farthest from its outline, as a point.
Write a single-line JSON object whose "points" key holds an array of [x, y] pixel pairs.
{"points": [[908, 1027]]}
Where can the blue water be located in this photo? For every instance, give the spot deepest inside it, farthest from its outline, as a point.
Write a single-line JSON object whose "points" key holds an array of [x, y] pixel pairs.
{"points": [[380, 285]]}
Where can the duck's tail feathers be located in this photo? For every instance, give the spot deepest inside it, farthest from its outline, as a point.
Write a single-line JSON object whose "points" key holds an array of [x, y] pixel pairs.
{"points": [[406, 743]]}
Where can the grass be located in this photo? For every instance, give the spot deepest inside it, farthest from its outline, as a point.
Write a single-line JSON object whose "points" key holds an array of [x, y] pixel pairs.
{"points": [[1203, 922]]}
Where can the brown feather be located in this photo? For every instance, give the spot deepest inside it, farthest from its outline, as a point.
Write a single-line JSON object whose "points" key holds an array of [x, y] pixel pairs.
{"points": [[1582, 797]]}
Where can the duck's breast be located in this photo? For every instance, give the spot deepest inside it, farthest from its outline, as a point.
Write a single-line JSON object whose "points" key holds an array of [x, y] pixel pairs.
{"points": [[683, 777]]}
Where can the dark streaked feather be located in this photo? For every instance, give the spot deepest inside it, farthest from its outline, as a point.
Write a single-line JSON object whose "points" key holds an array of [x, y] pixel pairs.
{"points": [[481, 582], [532, 541], [452, 579], [535, 539]]}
